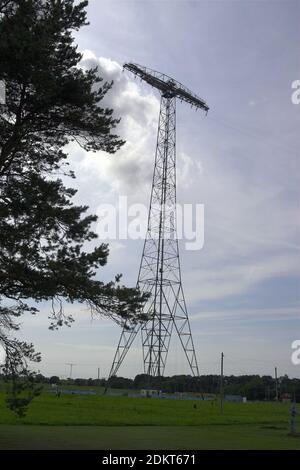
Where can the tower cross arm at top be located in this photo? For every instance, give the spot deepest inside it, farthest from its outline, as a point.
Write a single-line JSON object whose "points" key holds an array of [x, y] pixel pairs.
{"points": [[167, 85]]}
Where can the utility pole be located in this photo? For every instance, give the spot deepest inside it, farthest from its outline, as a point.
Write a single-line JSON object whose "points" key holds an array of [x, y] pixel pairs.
{"points": [[293, 416], [71, 368], [276, 385], [221, 382], [98, 373]]}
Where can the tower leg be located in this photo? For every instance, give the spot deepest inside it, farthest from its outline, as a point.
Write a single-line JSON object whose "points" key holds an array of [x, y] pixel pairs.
{"points": [[126, 339]]}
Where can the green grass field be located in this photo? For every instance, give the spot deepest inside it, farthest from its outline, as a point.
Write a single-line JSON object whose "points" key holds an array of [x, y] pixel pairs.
{"points": [[104, 422], [124, 411], [146, 437]]}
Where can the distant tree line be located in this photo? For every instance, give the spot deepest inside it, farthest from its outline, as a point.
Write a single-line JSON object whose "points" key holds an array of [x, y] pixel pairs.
{"points": [[254, 387]]}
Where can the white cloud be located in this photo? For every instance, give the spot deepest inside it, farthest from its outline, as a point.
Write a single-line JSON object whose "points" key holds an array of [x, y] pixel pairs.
{"points": [[249, 314], [221, 281], [251, 226], [127, 171]]}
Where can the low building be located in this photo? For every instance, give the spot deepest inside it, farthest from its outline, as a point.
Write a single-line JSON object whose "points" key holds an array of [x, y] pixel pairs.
{"points": [[286, 398], [151, 393], [234, 398]]}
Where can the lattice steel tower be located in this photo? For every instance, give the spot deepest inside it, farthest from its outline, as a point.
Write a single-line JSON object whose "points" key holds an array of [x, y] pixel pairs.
{"points": [[159, 271]]}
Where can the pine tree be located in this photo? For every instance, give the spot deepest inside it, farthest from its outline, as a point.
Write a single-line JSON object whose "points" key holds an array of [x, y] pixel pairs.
{"points": [[50, 101]]}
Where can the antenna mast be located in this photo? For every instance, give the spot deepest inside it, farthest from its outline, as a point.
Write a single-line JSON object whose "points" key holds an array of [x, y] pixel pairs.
{"points": [[160, 272]]}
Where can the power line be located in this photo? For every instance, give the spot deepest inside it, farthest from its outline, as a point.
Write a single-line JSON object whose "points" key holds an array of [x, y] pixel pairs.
{"points": [[254, 135]]}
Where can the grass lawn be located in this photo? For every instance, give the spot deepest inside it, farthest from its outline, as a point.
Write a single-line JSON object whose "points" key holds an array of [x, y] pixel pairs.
{"points": [[146, 437], [105, 422], [124, 411]]}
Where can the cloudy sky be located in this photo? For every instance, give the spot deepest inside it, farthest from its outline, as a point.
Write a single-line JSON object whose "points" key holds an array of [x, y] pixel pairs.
{"points": [[241, 162]]}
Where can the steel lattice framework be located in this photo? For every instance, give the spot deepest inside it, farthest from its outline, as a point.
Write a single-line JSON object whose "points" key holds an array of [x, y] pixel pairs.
{"points": [[159, 271]]}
